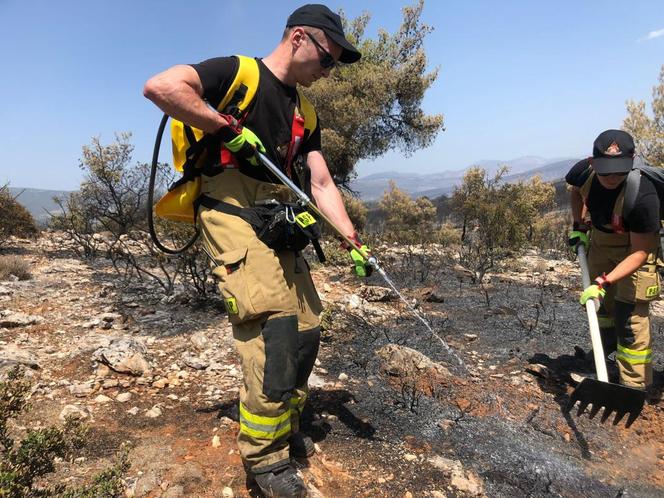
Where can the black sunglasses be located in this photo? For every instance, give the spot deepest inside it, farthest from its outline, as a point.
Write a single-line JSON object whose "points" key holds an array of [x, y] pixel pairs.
{"points": [[326, 60], [609, 174]]}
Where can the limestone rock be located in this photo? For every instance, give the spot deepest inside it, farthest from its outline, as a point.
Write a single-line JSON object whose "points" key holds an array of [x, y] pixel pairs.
{"points": [[153, 412], [11, 319], [73, 411], [11, 355], [460, 478], [376, 294], [82, 389], [124, 355], [435, 296], [403, 361], [194, 361]]}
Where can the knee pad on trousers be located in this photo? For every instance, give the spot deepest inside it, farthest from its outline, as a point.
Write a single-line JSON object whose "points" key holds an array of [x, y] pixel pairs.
{"points": [[623, 313], [281, 346], [308, 342]]}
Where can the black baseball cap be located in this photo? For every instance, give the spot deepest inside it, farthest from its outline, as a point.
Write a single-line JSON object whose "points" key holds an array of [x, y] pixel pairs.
{"points": [[613, 152], [319, 16]]}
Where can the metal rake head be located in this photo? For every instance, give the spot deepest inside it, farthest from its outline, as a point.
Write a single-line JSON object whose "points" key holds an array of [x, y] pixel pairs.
{"points": [[616, 398]]}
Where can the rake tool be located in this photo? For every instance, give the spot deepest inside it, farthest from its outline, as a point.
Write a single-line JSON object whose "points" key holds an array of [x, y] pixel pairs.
{"points": [[600, 392]]}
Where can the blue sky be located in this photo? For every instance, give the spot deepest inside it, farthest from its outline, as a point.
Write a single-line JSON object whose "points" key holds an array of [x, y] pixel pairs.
{"points": [[516, 77]]}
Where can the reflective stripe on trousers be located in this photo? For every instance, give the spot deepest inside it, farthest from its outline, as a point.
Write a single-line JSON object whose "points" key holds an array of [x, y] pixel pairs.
{"points": [[633, 356], [262, 427]]}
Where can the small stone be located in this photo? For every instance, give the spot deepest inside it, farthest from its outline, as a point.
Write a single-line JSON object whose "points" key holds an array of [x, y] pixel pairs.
{"points": [[194, 361], [102, 371], [577, 378], [463, 404], [110, 383], [133, 411], [326, 287], [176, 491], [343, 377], [409, 457], [160, 383], [216, 442], [102, 400], [446, 424], [73, 411], [354, 301], [200, 341], [470, 337], [435, 296], [110, 317], [153, 412], [538, 370], [123, 397], [83, 389], [11, 319], [91, 324], [227, 492]]}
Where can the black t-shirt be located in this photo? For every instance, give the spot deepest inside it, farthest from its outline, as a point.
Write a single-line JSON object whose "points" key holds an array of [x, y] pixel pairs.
{"points": [[270, 114], [644, 217]]}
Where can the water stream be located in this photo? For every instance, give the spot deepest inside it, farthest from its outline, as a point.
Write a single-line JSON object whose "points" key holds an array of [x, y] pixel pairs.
{"points": [[419, 316]]}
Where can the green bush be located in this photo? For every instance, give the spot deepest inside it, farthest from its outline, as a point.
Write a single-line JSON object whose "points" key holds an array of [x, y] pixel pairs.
{"points": [[16, 220], [25, 462], [407, 221], [550, 233]]}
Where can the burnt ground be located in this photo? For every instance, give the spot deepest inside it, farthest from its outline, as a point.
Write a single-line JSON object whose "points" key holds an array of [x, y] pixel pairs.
{"points": [[495, 430]]}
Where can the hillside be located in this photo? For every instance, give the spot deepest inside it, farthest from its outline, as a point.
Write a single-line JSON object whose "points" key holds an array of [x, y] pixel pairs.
{"points": [[393, 415], [372, 187], [38, 201]]}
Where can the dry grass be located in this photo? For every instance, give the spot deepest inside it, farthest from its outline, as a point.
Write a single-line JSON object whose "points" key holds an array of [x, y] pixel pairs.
{"points": [[14, 265]]}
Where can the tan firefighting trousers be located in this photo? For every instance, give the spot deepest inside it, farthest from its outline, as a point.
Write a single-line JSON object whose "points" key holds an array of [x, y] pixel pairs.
{"points": [[274, 308], [624, 312]]}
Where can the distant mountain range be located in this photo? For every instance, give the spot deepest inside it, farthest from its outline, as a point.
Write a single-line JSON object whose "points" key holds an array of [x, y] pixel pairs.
{"points": [[432, 185], [40, 202]]}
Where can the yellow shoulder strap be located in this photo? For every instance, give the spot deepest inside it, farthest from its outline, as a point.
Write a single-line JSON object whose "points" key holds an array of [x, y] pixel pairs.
{"points": [[246, 79], [308, 112], [247, 75]]}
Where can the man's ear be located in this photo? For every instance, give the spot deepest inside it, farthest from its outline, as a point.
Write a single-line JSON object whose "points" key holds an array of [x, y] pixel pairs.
{"points": [[297, 36]]}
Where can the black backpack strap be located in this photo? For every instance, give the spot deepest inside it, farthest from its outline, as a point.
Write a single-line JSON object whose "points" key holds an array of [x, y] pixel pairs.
{"points": [[632, 187], [250, 215]]}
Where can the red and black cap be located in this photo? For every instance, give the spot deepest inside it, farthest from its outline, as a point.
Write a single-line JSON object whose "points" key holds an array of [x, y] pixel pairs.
{"points": [[613, 152], [319, 16]]}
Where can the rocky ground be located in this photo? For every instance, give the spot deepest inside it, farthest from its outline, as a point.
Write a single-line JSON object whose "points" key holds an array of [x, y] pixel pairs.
{"points": [[393, 414]]}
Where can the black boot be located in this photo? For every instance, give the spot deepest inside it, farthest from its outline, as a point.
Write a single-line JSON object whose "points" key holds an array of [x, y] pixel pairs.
{"points": [[301, 446], [281, 483]]}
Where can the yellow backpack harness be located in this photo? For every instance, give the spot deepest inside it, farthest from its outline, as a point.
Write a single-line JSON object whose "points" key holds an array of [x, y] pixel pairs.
{"points": [[196, 152]]}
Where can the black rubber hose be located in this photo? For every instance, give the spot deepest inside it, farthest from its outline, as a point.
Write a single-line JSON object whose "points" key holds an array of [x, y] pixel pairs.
{"points": [[153, 175]]}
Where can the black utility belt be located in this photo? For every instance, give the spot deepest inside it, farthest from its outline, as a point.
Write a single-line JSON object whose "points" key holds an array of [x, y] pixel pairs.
{"points": [[282, 226]]}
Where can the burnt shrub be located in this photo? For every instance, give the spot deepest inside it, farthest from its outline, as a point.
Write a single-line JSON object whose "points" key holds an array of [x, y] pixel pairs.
{"points": [[14, 265]]}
